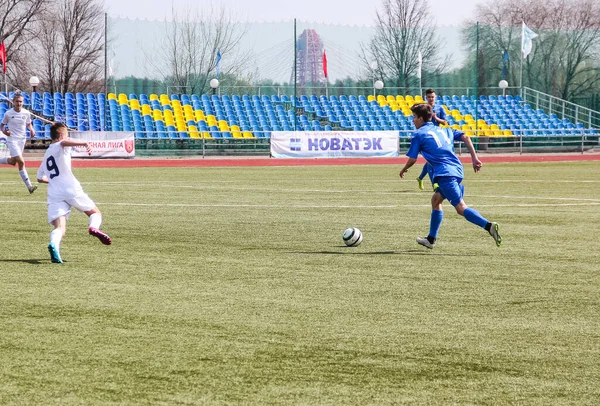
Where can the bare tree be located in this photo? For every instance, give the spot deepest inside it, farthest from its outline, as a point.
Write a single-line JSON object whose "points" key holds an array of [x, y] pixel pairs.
{"points": [[17, 19], [565, 54], [187, 59], [71, 44], [403, 29]]}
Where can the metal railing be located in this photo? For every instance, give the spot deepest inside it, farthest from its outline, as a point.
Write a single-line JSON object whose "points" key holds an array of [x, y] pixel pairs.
{"points": [[561, 108]]}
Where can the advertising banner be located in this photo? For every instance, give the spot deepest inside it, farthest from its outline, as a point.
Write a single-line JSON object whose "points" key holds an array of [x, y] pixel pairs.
{"points": [[334, 144], [116, 144]]}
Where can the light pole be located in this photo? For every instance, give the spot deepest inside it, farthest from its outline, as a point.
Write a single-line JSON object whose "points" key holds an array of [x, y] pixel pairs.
{"points": [[503, 84], [34, 81], [214, 83], [373, 66]]}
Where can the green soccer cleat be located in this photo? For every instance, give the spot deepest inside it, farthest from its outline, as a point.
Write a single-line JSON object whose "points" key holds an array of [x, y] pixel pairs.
{"points": [[435, 187], [421, 186], [495, 234]]}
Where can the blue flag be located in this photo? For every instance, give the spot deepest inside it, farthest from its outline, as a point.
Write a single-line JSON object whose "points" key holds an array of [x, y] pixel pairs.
{"points": [[505, 59], [218, 62]]}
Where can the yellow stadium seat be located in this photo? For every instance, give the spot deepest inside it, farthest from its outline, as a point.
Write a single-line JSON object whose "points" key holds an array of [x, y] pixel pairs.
{"points": [[193, 130], [494, 127], [390, 98], [153, 96], [399, 98], [507, 133], [409, 99], [146, 110], [370, 98], [111, 96], [248, 134], [199, 115], [419, 99]]}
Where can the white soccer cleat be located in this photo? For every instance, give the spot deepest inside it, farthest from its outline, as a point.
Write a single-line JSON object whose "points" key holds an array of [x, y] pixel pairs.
{"points": [[495, 234], [425, 242], [32, 189]]}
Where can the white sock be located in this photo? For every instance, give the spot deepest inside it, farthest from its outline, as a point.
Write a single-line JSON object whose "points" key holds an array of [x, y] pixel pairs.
{"points": [[95, 220], [25, 177], [4, 161], [56, 237]]}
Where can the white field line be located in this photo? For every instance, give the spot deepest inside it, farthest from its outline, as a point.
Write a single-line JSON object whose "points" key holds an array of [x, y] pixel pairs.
{"points": [[300, 206]]}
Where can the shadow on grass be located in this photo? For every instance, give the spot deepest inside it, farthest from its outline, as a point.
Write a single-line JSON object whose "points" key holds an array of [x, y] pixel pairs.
{"points": [[28, 261], [349, 251]]}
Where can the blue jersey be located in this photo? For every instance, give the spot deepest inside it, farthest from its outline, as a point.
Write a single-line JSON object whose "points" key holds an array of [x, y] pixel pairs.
{"points": [[436, 144], [440, 113]]}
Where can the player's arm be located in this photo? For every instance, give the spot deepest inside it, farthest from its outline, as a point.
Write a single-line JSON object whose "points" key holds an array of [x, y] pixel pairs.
{"points": [[442, 117], [41, 178], [70, 142], [31, 130], [407, 166], [477, 164]]}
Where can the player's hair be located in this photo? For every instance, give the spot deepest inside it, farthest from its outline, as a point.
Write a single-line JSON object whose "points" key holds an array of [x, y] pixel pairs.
{"points": [[422, 110], [17, 95], [54, 134], [429, 91]]}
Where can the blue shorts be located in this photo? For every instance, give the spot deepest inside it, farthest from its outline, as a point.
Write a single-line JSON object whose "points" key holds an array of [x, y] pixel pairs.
{"points": [[451, 189]]}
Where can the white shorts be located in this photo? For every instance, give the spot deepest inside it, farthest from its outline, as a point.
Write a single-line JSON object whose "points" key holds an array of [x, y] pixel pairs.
{"points": [[15, 146], [63, 208]]}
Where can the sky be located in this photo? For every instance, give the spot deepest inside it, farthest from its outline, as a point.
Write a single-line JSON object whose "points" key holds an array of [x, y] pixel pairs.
{"points": [[342, 24], [347, 12]]}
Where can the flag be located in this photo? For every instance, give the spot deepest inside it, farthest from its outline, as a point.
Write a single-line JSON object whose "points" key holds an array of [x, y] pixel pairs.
{"points": [[3, 56], [325, 64], [420, 65], [527, 35], [505, 59], [218, 64]]}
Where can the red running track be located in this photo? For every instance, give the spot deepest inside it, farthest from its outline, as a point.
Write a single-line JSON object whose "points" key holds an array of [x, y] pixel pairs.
{"points": [[264, 161]]}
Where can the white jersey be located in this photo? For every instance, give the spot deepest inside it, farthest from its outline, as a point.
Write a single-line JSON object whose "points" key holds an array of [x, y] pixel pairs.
{"points": [[56, 166], [17, 122]]}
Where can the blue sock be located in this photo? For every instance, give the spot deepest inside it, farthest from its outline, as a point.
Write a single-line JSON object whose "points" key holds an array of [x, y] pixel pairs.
{"points": [[435, 222], [474, 217], [423, 172]]}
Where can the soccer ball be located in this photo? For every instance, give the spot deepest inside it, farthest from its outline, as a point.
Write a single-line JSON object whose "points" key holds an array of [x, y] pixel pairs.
{"points": [[352, 237]]}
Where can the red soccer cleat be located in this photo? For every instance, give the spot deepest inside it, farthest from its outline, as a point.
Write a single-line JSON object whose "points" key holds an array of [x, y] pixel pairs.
{"points": [[104, 238]]}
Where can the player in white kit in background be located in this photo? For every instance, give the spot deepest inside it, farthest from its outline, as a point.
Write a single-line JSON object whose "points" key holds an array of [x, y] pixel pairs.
{"points": [[65, 191], [17, 120]]}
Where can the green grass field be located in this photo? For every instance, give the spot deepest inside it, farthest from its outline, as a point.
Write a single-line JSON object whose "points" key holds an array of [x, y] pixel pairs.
{"points": [[233, 286]]}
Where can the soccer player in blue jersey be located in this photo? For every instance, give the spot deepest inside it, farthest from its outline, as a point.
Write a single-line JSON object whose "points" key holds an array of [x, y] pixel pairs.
{"points": [[438, 118], [436, 144]]}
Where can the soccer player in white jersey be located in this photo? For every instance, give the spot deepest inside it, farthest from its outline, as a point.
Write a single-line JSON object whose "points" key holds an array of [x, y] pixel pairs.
{"points": [[65, 191], [17, 120]]}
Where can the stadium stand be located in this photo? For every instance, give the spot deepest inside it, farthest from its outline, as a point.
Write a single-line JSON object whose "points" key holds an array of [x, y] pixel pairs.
{"points": [[194, 116]]}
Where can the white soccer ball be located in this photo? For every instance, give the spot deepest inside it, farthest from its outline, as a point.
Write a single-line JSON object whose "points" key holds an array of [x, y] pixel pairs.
{"points": [[352, 237]]}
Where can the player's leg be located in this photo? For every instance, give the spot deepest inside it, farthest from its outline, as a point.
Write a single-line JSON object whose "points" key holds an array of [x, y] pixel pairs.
{"points": [[473, 216], [422, 176], [95, 221], [57, 217], [85, 204], [16, 148], [435, 221]]}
